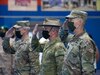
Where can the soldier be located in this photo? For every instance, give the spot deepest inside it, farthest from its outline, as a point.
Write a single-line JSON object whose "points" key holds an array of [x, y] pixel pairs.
{"points": [[5, 58], [53, 52], [25, 58], [80, 56], [43, 40]]}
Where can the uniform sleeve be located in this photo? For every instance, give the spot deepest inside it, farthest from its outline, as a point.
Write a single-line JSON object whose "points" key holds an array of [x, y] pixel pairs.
{"points": [[34, 62], [35, 44], [87, 58], [59, 54], [63, 34], [6, 46]]}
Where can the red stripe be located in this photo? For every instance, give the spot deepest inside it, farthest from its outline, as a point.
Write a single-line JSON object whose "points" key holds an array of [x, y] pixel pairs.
{"points": [[3, 2], [39, 2]]}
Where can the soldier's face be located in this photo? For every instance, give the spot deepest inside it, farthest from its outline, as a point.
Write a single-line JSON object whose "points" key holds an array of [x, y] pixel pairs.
{"points": [[77, 22], [73, 24], [22, 31], [54, 31]]}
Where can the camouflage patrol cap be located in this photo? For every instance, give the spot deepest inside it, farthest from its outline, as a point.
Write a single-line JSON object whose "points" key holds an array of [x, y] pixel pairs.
{"points": [[23, 23], [16, 26], [51, 22], [77, 14]]}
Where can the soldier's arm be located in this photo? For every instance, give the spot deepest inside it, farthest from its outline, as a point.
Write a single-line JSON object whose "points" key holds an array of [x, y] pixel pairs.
{"points": [[63, 34], [35, 42], [7, 43], [87, 58], [6, 46], [59, 54]]}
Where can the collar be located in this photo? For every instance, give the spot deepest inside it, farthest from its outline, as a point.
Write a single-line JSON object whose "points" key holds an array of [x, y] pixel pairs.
{"points": [[80, 34]]}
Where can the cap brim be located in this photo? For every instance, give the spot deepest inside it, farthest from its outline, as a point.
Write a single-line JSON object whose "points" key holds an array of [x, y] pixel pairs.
{"points": [[50, 25], [26, 28], [69, 16], [16, 26]]}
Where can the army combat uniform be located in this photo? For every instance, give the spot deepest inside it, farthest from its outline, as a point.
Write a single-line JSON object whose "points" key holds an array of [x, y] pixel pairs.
{"points": [[5, 61], [53, 54], [80, 56], [25, 58]]}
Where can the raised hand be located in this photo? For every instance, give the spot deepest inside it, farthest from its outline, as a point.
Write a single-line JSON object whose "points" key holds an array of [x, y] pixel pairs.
{"points": [[35, 29]]}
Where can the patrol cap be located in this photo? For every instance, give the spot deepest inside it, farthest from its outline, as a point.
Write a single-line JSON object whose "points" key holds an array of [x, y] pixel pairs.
{"points": [[23, 23], [77, 14], [51, 22], [16, 26]]}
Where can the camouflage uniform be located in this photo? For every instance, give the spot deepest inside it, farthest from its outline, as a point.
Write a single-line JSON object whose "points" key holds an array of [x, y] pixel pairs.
{"points": [[5, 61], [80, 56], [26, 59], [53, 54]]}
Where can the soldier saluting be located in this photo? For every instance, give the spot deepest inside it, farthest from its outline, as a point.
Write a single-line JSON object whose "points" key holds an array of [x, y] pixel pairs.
{"points": [[53, 51], [25, 57], [80, 56]]}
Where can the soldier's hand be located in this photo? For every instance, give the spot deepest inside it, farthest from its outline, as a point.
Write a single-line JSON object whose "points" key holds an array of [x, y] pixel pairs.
{"points": [[63, 33], [10, 32], [65, 25], [35, 29]]}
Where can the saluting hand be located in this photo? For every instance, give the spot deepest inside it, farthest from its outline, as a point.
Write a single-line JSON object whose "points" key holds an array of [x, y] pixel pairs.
{"points": [[35, 29]]}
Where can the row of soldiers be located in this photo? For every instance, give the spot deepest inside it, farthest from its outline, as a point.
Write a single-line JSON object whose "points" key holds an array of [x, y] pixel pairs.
{"points": [[67, 49]]}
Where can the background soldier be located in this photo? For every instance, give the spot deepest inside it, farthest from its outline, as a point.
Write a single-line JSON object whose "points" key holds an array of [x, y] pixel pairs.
{"points": [[81, 54], [5, 59]]}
